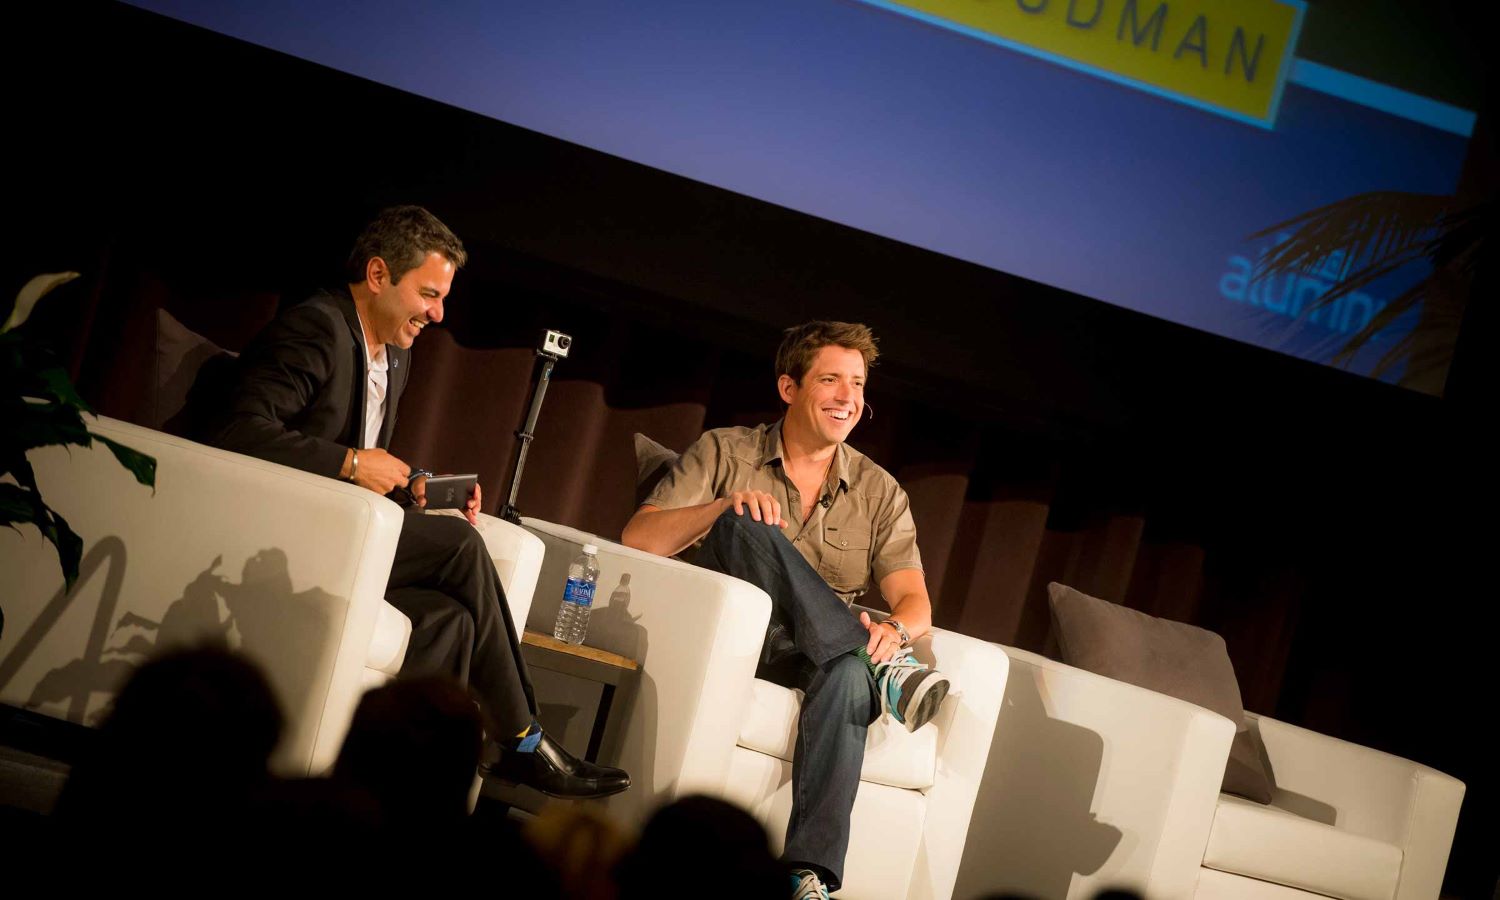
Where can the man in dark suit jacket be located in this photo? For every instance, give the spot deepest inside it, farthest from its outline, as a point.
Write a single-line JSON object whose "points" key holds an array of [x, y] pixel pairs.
{"points": [[318, 390]]}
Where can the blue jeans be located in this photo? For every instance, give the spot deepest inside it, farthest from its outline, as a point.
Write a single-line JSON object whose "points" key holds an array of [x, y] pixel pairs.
{"points": [[808, 646]]}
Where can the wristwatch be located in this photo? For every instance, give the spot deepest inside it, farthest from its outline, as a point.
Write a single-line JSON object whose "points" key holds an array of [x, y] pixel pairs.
{"points": [[900, 630]]}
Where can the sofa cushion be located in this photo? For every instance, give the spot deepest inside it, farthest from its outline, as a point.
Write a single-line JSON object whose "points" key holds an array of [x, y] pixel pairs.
{"points": [[1171, 658], [893, 756], [388, 642], [1272, 844]]}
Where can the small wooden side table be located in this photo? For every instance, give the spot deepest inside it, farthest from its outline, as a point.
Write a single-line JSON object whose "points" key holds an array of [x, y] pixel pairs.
{"points": [[608, 670]]}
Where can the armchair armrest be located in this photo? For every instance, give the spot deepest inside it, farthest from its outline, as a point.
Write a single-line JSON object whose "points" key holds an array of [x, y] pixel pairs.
{"points": [[978, 671], [287, 567], [1093, 783], [517, 554], [697, 635], [1367, 792], [966, 727]]}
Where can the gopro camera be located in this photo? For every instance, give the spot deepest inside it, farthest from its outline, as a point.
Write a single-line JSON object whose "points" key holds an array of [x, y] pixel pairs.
{"points": [[555, 343]]}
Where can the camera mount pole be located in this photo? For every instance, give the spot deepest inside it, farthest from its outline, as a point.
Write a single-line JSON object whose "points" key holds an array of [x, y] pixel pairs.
{"points": [[508, 512]]}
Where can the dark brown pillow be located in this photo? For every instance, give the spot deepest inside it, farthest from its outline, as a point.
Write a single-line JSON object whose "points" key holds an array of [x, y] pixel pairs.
{"points": [[1171, 658], [182, 355], [652, 462]]}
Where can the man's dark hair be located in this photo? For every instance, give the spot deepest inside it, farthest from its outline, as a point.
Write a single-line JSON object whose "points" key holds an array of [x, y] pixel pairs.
{"points": [[801, 343], [403, 236]]}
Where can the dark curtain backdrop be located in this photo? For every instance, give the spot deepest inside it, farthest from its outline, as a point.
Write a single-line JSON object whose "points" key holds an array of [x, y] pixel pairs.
{"points": [[1331, 528], [1001, 511]]}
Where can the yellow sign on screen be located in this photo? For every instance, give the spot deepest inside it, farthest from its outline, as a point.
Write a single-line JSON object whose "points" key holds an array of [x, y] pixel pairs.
{"points": [[1230, 56]]}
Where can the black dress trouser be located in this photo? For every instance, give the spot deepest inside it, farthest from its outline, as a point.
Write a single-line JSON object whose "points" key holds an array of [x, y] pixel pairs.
{"points": [[444, 580]]}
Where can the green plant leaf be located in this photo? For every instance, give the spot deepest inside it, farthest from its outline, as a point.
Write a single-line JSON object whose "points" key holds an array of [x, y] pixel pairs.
{"points": [[16, 505], [69, 545], [143, 467], [57, 383], [41, 408], [30, 293], [17, 466], [35, 425]]}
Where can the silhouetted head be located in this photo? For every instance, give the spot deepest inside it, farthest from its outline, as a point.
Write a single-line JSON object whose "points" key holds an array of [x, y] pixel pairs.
{"points": [[415, 746], [189, 735], [703, 841]]}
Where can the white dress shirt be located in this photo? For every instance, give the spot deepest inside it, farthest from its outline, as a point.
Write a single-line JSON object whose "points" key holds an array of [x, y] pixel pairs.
{"points": [[377, 380]]}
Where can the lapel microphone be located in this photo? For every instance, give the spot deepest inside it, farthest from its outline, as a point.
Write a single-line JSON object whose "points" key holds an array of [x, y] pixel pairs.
{"points": [[827, 501]]}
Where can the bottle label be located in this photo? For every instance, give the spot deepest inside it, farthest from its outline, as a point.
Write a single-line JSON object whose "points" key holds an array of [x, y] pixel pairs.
{"points": [[579, 591]]}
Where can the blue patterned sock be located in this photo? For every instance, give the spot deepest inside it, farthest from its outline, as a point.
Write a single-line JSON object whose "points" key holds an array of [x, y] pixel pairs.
{"points": [[527, 741]]}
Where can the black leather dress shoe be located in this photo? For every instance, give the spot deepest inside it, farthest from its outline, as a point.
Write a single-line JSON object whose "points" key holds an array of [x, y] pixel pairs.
{"points": [[557, 773]]}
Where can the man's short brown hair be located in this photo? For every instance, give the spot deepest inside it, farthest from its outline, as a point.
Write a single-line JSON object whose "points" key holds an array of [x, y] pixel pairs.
{"points": [[801, 343], [403, 236]]}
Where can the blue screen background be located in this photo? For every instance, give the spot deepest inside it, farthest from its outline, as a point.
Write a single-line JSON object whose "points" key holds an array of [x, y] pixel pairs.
{"points": [[867, 118]]}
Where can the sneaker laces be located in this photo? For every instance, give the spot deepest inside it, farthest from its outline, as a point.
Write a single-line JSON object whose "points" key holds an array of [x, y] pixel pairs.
{"points": [[807, 886], [891, 677]]}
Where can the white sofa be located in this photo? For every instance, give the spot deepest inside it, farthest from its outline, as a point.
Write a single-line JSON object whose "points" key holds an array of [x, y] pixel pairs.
{"points": [[1093, 783], [287, 567], [1344, 821], [702, 722]]}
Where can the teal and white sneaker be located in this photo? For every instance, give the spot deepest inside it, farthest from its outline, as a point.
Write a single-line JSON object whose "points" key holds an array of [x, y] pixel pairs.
{"points": [[806, 886], [910, 691]]}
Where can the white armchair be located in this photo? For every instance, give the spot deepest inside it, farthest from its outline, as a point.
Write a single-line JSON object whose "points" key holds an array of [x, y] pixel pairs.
{"points": [[1344, 821], [697, 635], [703, 723], [1093, 783], [287, 567]]}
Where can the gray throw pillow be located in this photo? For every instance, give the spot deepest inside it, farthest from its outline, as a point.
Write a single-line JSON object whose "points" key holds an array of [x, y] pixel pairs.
{"points": [[1171, 658], [652, 461], [181, 354]]}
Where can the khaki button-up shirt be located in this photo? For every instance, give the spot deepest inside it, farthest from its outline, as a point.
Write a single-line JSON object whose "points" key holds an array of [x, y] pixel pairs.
{"points": [[860, 526]]}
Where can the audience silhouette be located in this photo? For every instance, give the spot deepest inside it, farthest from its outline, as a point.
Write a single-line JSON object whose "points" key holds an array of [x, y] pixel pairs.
{"points": [[178, 777]]}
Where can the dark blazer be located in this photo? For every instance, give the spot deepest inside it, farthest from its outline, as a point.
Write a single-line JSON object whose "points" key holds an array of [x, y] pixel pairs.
{"points": [[299, 398]]}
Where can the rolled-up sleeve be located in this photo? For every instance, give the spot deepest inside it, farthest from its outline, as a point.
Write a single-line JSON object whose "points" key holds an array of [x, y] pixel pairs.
{"points": [[694, 479], [895, 542]]}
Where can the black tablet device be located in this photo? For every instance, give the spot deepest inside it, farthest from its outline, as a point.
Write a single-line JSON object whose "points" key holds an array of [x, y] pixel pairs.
{"points": [[449, 491]]}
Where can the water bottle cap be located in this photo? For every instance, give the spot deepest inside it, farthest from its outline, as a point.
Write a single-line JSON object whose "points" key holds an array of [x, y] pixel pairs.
{"points": [[591, 550]]}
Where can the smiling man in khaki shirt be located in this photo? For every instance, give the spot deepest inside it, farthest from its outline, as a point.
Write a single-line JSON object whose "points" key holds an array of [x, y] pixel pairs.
{"points": [[794, 510]]}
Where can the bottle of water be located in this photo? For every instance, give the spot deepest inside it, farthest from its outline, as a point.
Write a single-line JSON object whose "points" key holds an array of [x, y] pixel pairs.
{"points": [[578, 597]]}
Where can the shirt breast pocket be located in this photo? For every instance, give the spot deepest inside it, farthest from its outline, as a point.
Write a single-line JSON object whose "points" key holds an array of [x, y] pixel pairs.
{"points": [[846, 558]]}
